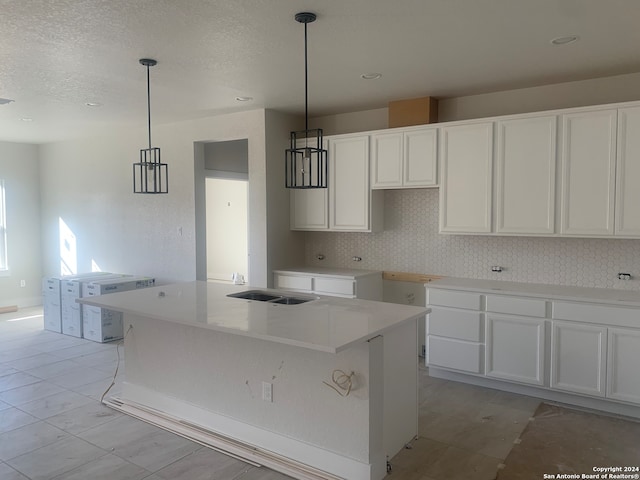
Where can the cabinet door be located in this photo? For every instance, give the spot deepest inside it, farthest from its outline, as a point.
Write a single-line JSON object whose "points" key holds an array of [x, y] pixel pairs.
{"points": [[588, 172], [623, 380], [386, 156], [349, 194], [309, 209], [628, 173], [526, 170], [465, 186], [515, 348], [578, 358], [421, 158], [454, 354]]}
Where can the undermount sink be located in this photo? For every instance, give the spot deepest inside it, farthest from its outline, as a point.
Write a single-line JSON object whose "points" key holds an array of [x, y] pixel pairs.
{"points": [[269, 297]]}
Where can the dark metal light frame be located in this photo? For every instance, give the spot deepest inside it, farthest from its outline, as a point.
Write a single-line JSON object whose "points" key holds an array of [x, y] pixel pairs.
{"points": [[306, 158], [150, 175]]}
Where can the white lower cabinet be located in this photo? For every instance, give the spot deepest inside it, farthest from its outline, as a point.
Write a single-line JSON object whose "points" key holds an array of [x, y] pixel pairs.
{"points": [[623, 378], [365, 284], [515, 348], [455, 336], [556, 347], [578, 358], [454, 354]]}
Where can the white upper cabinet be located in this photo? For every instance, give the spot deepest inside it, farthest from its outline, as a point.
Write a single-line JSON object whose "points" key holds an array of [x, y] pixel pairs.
{"points": [[421, 158], [628, 173], [466, 178], [588, 172], [405, 159], [525, 176], [309, 207], [386, 164], [352, 204]]}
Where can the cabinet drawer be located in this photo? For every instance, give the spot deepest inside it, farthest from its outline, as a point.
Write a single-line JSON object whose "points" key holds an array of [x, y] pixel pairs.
{"points": [[293, 281], [450, 298], [456, 354], [602, 314], [334, 286], [531, 307], [458, 324]]}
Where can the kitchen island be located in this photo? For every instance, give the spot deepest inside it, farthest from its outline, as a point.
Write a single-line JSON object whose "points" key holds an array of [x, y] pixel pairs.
{"points": [[255, 379]]}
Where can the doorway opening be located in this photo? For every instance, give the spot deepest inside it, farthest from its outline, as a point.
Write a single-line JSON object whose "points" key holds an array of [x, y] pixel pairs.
{"points": [[227, 229], [226, 170]]}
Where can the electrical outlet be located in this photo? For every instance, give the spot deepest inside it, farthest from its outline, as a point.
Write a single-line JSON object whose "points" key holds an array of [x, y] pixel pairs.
{"points": [[267, 391], [23, 283]]}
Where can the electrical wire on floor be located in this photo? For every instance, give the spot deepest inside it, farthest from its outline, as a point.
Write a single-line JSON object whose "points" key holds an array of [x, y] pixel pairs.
{"points": [[341, 380], [115, 374]]}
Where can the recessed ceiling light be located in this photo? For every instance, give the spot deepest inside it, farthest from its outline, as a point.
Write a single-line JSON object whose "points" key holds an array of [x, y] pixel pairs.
{"points": [[27, 119], [93, 104], [244, 99], [5, 101], [565, 40], [371, 76]]}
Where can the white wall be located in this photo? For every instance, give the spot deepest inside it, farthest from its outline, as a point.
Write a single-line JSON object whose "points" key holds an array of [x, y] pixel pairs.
{"points": [[88, 183], [620, 88], [290, 244], [19, 168], [411, 242]]}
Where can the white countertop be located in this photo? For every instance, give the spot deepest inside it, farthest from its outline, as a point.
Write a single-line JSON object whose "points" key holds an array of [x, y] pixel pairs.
{"points": [[329, 271], [328, 324], [560, 292]]}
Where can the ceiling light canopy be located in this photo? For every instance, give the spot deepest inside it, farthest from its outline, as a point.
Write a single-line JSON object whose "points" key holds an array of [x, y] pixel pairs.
{"points": [[244, 99], [149, 175], [371, 76], [306, 159]]}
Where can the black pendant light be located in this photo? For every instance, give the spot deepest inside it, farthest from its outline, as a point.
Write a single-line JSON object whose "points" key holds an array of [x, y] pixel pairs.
{"points": [[305, 159], [149, 175]]}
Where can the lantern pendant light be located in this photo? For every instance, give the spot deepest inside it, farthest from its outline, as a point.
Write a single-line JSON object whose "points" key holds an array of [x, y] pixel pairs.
{"points": [[306, 159], [150, 175]]}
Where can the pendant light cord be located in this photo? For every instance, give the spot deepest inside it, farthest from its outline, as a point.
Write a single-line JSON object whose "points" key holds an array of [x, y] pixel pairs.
{"points": [[306, 82], [149, 107]]}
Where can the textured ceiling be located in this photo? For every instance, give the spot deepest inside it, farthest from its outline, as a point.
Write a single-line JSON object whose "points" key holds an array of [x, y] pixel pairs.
{"points": [[56, 55]]}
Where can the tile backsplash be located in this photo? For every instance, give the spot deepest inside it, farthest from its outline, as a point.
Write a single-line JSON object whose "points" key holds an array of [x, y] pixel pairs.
{"points": [[411, 243]]}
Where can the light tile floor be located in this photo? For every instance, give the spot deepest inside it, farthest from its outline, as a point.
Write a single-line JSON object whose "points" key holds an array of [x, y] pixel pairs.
{"points": [[53, 426]]}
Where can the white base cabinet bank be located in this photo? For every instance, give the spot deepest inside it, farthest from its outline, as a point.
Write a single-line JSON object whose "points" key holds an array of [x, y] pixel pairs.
{"points": [[575, 345]]}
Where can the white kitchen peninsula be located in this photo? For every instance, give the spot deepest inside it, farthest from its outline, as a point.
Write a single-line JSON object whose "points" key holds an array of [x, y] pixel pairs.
{"points": [[248, 377]]}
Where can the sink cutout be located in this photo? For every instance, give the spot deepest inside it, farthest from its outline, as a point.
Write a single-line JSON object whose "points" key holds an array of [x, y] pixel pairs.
{"points": [[255, 295], [268, 297]]}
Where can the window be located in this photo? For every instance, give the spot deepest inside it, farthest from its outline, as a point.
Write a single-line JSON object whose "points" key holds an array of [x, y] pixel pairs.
{"points": [[3, 230]]}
